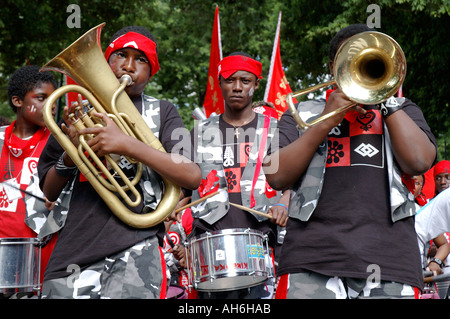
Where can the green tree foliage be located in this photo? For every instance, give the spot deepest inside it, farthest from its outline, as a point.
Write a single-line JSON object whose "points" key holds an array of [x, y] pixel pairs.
{"points": [[35, 31]]}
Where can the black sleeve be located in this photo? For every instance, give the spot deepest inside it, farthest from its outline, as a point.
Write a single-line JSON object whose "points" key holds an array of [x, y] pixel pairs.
{"points": [[49, 156], [286, 133], [173, 134], [416, 114]]}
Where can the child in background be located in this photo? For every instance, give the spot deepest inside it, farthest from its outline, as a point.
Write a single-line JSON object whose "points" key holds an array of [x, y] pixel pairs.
{"points": [[21, 145]]}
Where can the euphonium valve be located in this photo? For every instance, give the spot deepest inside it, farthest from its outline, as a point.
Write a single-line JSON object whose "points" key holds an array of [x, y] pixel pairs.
{"points": [[84, 62], [369, 67]]}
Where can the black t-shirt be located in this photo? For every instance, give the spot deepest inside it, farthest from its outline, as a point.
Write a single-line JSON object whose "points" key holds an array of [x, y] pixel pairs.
{"points": [[235, 156], [350, 233], [92, 232]]}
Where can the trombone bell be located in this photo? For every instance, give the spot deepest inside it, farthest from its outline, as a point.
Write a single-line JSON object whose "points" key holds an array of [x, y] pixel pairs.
{"points": [[369, 67]]}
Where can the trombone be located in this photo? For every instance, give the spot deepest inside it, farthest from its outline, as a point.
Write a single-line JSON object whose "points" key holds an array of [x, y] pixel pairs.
{"points": [[369, 67]]}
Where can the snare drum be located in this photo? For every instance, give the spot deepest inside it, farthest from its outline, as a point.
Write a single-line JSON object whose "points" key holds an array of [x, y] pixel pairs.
{"points": [[20, 260], [228, 259]]}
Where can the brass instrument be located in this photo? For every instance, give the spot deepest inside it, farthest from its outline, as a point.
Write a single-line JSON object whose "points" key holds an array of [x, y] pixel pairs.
{"points": [[85, 63], [369, 67]]}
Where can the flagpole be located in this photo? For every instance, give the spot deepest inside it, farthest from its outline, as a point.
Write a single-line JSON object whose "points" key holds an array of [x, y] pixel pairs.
{"points": [[219, 33], [272, 59], [400, 91]]}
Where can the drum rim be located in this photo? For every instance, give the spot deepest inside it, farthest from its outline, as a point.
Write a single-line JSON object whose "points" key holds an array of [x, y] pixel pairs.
{"points": [[14, 288], [19, 240], [205, 284], [227, 231]]}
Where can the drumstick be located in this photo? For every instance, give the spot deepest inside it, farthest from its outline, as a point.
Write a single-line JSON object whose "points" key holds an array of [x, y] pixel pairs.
{"points": [[196, 202], [235, 205], [437, 278], [24, 191], [251, 210]]}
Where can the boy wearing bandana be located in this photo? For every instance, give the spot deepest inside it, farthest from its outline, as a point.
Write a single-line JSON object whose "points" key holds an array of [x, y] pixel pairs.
{"points": [[229, 149], [97, 255], [22, 143], [441, 174], [350, 232], [433, 226]]}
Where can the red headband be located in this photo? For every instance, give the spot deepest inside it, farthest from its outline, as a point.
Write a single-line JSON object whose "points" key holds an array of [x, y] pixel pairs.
{"points": [[442, 167], [139, 42], [234, 63]]}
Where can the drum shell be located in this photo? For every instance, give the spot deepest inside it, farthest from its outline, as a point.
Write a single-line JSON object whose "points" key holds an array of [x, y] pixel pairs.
{"points": [[228, 259], [19, 265]]}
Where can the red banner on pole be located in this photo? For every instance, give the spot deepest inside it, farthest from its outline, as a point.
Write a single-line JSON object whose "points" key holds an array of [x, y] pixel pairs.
{"points": [[400, 91], [70, 96], [277, 84], [213, 102]]}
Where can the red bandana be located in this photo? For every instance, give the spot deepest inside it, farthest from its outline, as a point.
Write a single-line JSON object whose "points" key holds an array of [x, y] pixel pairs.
{"points": [[234, 63], [139, 42], [442, 167]]}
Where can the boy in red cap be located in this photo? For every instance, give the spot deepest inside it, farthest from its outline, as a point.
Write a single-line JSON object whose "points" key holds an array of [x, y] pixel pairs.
{"points": [[231, 164], [97, 255], [442, 175]]}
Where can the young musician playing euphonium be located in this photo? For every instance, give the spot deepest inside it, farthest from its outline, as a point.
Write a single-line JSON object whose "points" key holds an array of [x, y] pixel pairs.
{"points": [[111, 259]]}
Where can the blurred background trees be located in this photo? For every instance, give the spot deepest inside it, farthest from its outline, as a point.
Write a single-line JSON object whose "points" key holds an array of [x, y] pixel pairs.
{"points": [[33, 32]]}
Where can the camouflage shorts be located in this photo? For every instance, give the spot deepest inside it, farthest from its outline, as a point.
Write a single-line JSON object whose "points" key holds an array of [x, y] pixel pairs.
{"points": [[310, 285], [137, 272]]}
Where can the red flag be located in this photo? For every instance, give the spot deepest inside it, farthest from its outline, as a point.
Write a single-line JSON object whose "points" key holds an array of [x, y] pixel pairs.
{"points": [[400, 91], [429, 185], [213, 98], [277, 85], [70, 96]]}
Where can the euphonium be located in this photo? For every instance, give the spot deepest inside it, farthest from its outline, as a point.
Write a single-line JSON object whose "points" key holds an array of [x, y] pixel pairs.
{"points": [[84, 62], [369, 67]]}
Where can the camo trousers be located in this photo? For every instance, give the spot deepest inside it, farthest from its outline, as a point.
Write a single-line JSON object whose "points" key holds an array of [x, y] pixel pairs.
{"points": [[310, 285], [137, 272]]}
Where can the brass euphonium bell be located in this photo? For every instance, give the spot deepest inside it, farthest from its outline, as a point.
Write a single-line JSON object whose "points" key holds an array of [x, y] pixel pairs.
{"points": [[84, 62], [369, 67]]}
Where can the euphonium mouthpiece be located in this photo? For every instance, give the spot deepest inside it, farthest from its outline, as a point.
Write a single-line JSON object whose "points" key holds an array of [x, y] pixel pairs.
{"points": [[126, 78]]}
